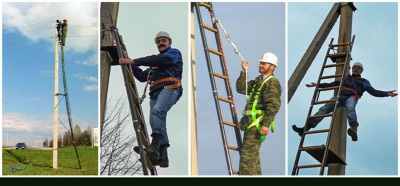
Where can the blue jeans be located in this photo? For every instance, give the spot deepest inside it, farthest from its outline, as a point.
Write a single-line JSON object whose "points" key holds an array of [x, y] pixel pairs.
{"points": [[158, 112], [350, 105]]}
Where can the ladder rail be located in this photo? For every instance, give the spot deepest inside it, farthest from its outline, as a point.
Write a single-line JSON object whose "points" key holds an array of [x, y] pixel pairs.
{"points": [[228, 85], [315, 100], [134, 113], [347, 61], [315, 96], [214, 87], [66, 95]]}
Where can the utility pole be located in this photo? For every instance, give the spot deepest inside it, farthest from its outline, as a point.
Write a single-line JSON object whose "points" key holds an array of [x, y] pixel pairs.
{"points": [[8, 126], [55, 114], [193, 105], [313, 50], [105, 60], [339, 134]]}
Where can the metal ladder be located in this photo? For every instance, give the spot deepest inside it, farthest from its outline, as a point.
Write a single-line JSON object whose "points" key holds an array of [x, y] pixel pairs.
{"points": [[139, 124], [223, 76], [322, 153]]}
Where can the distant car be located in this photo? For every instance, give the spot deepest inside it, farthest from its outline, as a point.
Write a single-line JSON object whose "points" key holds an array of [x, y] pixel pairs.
{"points": [[20, 146]]}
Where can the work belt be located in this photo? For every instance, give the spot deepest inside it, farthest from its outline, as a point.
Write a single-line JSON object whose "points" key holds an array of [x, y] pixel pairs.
{"points": [[170, 86], [356, 95]]}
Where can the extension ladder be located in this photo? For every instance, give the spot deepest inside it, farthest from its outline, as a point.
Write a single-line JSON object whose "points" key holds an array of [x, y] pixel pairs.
{"points": [[224, 77], [139, 125], [322, 153]]}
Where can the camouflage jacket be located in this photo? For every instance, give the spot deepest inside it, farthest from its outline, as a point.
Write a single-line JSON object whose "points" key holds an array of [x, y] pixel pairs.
{"points": [[269, 100]]}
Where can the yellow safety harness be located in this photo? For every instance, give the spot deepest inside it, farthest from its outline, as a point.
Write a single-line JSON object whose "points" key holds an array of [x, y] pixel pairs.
{"points": [[257, 115]]}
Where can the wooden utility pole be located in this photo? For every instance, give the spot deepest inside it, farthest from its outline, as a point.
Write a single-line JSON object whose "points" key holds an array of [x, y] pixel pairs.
{"points": [[312, 50], [339, 134], [193, 105], [55, 110], [107, 39]]}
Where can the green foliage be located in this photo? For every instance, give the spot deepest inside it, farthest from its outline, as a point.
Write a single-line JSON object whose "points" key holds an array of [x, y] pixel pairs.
{"points": [[40, 162]]}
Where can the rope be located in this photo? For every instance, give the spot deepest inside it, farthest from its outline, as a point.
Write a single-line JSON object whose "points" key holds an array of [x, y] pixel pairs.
{"points": [[145, 88], [230, 40]]}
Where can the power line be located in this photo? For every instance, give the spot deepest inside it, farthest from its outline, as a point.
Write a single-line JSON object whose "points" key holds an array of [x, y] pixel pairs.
{"points": [[27, 31], [27, 25], [29, 41]]}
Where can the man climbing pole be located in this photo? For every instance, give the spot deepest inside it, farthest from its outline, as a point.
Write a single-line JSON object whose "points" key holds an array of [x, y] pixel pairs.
{"points": [[58, 27], [165, 71], [353, 88], [262, 105], [64, 27]]}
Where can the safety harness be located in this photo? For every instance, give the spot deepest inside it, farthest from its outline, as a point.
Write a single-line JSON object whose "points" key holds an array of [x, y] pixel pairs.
{"points": [[356, 95], [257, 115], [170, 86]]}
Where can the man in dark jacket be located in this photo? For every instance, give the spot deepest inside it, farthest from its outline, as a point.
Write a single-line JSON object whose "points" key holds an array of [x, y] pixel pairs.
{"points": [[165, 74], [353, 88]]}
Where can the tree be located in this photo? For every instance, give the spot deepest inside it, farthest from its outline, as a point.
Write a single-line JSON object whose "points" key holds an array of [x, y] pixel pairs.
{"points": [[117, 156]]}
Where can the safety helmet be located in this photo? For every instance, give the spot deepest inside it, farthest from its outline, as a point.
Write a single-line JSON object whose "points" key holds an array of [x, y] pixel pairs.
{"points": [[65, 20], [162, 34], [269, 58], [358, 64]]}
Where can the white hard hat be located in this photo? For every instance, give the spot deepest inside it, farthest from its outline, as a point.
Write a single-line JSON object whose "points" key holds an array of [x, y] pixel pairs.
{"points": [[269, 58], [358, 64], [163, 34]]}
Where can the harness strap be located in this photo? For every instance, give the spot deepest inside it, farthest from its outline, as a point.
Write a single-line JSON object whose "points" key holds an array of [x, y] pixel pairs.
{"points": [[257, 115], [356, 95], [163, 80]]}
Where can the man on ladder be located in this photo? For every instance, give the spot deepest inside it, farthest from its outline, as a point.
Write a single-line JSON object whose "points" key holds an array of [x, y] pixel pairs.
{"points": [[64, 27], [165, 74], [353, 88], [262, 105]]}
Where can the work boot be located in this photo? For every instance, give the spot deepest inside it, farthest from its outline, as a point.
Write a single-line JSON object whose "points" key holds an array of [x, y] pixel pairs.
{"points": [[299, 131], [163, 161], [153, 150], [352, 131]]}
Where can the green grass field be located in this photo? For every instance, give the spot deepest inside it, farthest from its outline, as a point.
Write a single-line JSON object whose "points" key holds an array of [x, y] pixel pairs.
{"points": [[40, 162]]}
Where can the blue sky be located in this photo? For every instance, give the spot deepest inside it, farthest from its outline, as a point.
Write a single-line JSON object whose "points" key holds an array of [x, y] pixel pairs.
{"points": [[376, 151], [255, 28], [28, 56], [138, 33]]}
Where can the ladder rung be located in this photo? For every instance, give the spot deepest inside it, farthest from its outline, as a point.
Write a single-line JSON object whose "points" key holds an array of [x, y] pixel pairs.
{"points": [[309, 166], [336, 56], [334, 65], [328, 88], [220, 75], [210, 28], [205, 5], [316, 131], [228, 123], [313, 148], [224, 99], [331, 76], [215, 52], [233, 148], [324, 101], [339, 44], [320, 116]]}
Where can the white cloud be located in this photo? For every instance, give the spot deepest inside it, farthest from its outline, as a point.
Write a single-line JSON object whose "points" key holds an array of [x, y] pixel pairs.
{"points": [[33, 100], [91, 87], [36, 21], [90, 79], [47, 73], [92, 61], [34, 128]]}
